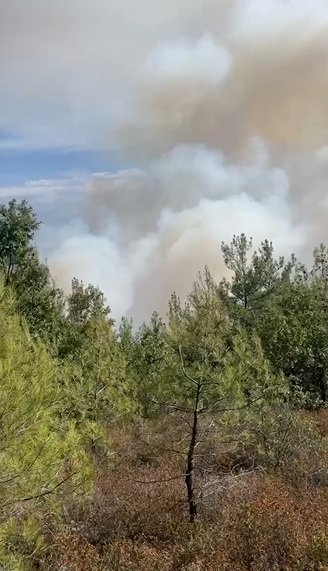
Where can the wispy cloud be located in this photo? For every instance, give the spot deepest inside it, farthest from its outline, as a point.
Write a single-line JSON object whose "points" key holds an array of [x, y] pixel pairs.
{"points": [[44, 190]]}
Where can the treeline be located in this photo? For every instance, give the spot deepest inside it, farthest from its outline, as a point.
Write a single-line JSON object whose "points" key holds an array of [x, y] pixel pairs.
{"points": [[240, 361]]}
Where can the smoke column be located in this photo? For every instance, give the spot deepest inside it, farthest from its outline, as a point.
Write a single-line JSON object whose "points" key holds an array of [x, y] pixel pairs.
{"points": [[221, 109]]}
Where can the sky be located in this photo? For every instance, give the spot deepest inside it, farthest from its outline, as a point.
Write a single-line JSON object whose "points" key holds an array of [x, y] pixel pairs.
{"points": [[146, 132]]}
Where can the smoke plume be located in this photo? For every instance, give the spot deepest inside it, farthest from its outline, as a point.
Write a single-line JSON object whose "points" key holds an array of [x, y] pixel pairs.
{"points": [[220, 108]]}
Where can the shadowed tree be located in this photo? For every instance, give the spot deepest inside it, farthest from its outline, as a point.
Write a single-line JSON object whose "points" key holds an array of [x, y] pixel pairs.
{"points": [[18, 224], [38, 300]]}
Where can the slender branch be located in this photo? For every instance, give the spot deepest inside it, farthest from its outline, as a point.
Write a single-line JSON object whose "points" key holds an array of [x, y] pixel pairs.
{"points": [[186, 422], [211, 405], [196, 383], [46, 492], [169, 405], [236, 409]]}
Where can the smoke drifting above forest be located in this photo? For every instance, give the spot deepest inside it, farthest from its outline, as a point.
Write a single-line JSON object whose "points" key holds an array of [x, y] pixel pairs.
{"points": [[220, 108]]}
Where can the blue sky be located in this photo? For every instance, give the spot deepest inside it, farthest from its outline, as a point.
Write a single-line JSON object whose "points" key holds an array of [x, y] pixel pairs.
{"points": [[17, 167]]}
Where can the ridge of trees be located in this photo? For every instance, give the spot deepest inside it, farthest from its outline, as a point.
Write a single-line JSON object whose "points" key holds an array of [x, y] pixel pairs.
{"points": [[236, 353]]}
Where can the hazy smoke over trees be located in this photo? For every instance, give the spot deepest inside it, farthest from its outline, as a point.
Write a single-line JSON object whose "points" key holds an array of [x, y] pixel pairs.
{"points": [[220, 108]]}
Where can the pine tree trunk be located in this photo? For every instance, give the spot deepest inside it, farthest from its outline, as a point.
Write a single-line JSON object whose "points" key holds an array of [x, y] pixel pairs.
{"points": [[189, 479]]}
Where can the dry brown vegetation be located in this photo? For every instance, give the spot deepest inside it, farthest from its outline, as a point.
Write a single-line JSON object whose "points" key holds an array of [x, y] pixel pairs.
{"points": [[249, 520]]}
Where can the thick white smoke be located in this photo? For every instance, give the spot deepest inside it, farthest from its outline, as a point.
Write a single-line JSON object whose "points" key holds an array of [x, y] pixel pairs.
{"points": [[149, 232], [221, 108]]}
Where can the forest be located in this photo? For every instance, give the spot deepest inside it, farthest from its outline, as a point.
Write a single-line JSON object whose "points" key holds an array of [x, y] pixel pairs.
{"points": [[197, 441]]}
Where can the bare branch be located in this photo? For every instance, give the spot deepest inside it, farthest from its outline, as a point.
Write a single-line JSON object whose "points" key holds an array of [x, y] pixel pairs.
{"points": [[237, 408], [186, 422], [175, 407], [211, 405]]}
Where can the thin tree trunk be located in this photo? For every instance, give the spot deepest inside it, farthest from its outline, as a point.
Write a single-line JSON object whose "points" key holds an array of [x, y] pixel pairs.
{"points": [[189, 479], [323, 386]]}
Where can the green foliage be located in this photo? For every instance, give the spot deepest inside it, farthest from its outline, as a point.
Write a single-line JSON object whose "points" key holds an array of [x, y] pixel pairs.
{"points": [[237, 359], [38, 300], [273, 432], [202, 326], [294, 333], [320, 265], [258, 404], [41, 453], [195, 338], [127, 343], [153, 361], [96, 387], [85, 304], [201, 345], [286, 305], [18, 224], [254, 275], [200, 335], [250, 372]]}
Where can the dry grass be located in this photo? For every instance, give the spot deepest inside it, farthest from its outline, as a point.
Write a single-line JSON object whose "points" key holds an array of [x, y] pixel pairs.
{"points": [[247, 522]]}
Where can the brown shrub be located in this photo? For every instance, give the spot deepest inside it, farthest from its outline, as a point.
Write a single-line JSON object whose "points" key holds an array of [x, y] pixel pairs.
{"points": [[321, 418], [247, 521], [275, 530], [71, 552]]}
